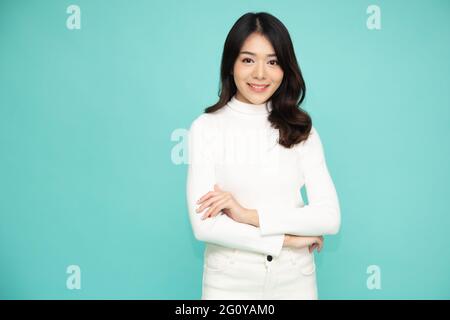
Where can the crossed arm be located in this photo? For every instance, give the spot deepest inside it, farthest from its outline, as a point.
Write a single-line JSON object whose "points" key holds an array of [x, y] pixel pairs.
{"points": [[261, 230]]}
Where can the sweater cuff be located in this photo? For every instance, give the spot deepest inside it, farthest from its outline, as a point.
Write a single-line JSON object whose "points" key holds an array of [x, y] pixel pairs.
{"points": [[267, 221], [276, 244]]}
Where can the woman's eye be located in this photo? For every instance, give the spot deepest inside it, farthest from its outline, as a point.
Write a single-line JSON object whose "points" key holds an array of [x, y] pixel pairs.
{"points": [[271, 62]]}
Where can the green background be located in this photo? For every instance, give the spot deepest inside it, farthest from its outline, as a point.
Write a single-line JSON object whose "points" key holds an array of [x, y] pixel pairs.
{"points": [[87, 176]]}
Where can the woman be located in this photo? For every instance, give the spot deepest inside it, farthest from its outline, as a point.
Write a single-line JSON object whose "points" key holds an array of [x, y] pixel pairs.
{"points": [[249, 156]]}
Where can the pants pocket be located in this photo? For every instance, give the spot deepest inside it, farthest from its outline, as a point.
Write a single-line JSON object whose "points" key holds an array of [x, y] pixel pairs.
{"points": [[304, 261], [309, 269], [216, 261]]}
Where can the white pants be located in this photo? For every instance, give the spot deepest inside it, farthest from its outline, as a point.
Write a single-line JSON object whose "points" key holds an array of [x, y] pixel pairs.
{"points": [[236, 274]]}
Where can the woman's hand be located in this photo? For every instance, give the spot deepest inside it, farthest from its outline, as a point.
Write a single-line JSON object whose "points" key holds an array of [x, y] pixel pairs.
{"points": [[219, 200], [301, 242]]}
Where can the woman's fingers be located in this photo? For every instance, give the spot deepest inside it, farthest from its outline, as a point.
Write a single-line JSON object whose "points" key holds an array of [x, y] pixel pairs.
{"points": [[207, 196], [220, 205], [311, 242], [215, 209], [317, 243], [320, 244], [207, 203], [303, 241]]}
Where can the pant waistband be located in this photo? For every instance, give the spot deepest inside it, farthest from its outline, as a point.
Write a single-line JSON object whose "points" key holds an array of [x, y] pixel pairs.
{"points": [[255, 257]]}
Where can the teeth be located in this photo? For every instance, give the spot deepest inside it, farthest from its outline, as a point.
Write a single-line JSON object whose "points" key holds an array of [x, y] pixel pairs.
{"points": [[258, 87]]}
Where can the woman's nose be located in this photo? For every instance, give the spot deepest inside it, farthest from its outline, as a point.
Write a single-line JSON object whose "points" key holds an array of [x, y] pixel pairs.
{"points": [[259, 71]]}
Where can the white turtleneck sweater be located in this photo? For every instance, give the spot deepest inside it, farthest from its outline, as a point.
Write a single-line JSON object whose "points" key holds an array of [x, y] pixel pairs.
{"points": [[237, 148]]}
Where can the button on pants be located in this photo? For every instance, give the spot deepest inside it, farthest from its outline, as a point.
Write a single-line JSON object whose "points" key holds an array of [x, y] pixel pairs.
{"points": [[237, 274]]}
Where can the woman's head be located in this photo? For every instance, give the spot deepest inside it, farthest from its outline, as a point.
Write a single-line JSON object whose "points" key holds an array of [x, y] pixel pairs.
{"points": [[256, 72], [259, 50]]}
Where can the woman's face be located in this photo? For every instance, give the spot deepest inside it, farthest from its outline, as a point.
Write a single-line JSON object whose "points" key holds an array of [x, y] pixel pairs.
{"points": [[255, 65]]}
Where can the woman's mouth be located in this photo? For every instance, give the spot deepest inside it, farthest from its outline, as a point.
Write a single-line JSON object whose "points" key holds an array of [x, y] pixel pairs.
{"points": [[258, 87]]}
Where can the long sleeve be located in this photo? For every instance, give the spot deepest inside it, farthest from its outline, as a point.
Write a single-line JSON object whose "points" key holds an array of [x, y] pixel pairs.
{"points": [[221, 229], [322, 215]]}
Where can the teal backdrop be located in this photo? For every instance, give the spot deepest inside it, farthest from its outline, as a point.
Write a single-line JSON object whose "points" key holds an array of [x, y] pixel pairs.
{"points": [[92, 134]]}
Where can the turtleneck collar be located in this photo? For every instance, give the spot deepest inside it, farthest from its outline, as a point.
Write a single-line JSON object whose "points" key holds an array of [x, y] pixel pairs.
{"points": [[248, 108]]}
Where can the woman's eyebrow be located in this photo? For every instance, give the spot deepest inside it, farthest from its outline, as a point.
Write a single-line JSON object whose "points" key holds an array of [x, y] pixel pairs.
{"points": [[254, 54]]}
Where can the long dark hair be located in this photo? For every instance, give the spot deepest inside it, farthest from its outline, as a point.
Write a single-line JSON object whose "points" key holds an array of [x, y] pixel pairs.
{"points": [[294, 123]]}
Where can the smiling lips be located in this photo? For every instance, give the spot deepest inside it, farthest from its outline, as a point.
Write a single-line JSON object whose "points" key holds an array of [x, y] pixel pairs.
{"points": [[258, 87]]}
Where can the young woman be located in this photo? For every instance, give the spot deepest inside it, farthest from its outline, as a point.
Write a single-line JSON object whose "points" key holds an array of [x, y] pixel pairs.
{"points": [[249, 156]]}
